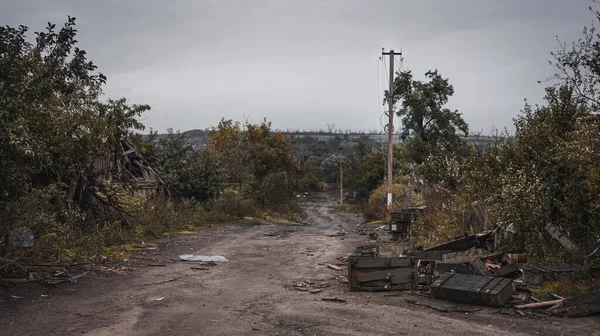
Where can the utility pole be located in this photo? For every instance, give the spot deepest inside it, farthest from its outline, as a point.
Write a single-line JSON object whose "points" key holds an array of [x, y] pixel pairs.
{"points": [[341, 182], [390, 127]]}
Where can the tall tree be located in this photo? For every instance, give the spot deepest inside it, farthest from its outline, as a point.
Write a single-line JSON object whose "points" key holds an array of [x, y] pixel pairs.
{"points": [[52, 121], [578, 65], [428, 126]]}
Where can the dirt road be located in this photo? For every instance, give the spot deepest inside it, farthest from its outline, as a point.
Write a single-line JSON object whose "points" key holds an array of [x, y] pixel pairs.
{"points": [[253, 294]]}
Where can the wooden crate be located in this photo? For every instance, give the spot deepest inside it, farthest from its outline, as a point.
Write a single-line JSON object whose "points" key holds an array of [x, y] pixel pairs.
{"points": [[380, 273], [475, 289]]}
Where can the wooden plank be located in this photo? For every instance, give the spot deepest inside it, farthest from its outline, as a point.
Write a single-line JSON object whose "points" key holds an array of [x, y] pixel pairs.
{"points": [[464, 256], [400, 262], [557, 234], [479, 266]]}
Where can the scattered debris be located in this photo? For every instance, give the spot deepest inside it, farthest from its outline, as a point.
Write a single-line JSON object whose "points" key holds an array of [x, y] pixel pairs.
{"points": [[315, 291], [201, 268], [342, 279], [337, 268], [479, 266], [464, 256], [486, 240], [366, 251], [440, 309], [580, 305], [196, 257], [61, 277], [469, 269]]}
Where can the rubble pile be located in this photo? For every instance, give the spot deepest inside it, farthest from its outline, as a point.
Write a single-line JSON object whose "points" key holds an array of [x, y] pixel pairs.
{"points": [[468, 270]]}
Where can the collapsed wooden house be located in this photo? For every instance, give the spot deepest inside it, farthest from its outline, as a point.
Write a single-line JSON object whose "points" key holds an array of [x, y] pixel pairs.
{"points": [[126, 166]]}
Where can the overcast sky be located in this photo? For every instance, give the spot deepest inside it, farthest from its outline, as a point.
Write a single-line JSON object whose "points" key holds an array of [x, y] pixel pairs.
{"points": [[308, 63]]}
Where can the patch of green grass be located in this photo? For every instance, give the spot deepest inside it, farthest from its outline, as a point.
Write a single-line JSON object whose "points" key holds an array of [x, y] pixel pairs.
{"points": [[563, 288]]}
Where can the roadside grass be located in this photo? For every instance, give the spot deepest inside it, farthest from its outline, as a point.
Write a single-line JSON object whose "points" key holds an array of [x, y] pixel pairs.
{"points": [[566, 287], [71, 240]]}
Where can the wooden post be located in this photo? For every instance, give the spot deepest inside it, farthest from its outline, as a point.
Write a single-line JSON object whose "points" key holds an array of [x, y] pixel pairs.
{"points": [[390, 130], [341, 183]]}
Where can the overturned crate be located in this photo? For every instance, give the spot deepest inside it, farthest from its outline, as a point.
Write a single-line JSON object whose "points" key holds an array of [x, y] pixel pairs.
{"points": [[474, 289], [380, 273]]}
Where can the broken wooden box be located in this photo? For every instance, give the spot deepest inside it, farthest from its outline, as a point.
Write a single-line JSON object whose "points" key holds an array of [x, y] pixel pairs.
{"points": [[474, 289], [371, 250], [380, 273]]}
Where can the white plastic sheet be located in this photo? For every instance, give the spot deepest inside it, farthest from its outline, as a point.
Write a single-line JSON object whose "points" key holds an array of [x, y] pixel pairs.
{"points": [[203, 258]]}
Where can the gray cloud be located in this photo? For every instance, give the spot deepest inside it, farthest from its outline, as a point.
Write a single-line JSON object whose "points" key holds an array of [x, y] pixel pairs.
{"points": [[303, 64]]}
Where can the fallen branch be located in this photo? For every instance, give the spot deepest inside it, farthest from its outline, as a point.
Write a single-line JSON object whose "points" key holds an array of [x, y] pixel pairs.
{"points": [[540, 304], [334, 299], [158, 282], [13, 281], [53, 280]]}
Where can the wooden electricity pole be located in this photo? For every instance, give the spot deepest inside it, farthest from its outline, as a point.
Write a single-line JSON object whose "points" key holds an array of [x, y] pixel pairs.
{"points": [[390, 127], [341, 183]]}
